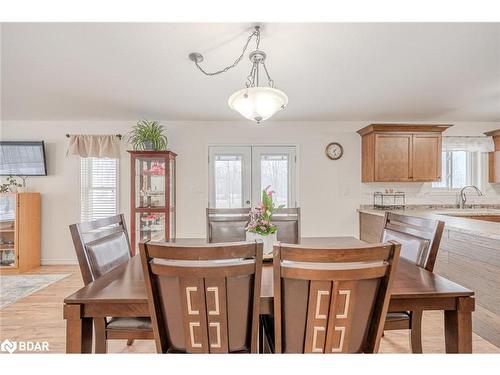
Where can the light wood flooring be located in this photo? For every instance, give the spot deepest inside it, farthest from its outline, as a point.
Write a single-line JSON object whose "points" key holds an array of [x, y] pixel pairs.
{"points": [[38, 317]]}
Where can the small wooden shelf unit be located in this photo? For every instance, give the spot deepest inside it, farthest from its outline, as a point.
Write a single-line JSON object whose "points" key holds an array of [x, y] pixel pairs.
{"points": [[20, 218]]}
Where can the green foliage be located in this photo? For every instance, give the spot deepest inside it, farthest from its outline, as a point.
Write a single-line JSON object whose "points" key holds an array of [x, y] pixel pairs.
{"points": [[148, 135], [11, 183]]}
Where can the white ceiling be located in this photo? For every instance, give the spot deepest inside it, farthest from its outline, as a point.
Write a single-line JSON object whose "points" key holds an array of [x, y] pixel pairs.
{"points": [[124, 71]]}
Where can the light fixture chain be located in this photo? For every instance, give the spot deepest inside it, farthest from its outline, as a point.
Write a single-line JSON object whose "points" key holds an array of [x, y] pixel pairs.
{"points": [[236, 62], [269, 79]]}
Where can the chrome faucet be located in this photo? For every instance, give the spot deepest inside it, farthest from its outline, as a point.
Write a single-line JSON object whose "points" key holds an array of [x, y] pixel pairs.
{"points": [[463, 198]]}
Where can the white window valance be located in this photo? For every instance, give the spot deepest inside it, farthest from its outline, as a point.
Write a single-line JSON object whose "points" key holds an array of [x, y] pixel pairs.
{"points": [[98, 146], [473, 144]]}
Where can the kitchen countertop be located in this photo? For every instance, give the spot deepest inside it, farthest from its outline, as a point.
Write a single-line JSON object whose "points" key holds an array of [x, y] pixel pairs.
{"points": [[476, 227]]}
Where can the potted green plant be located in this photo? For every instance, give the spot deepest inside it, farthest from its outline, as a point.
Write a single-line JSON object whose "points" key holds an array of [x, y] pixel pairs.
{"points": [[12, 186], [148, 135]]}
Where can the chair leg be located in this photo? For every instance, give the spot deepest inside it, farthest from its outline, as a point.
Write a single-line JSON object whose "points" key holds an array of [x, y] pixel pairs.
{"points": [[100, 336], [130, 342], [261, 335], [416, 332]]}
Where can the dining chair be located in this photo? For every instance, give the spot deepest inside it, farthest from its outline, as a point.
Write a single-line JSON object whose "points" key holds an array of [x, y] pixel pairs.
{"points": [[331, 300], [203, 298], [228, 224], [288, 222], [419, 239], [102, 245]]}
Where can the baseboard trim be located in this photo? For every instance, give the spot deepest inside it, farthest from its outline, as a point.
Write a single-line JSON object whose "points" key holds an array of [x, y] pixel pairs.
{"points": [[58, 262]]}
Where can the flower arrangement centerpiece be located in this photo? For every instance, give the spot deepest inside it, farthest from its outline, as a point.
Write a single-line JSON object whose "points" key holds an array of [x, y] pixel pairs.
{"points": [[260, 224]]}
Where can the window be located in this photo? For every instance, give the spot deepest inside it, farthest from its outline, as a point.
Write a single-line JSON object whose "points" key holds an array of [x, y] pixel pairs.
{"points": [[239, 174], [98, 188], [459, 169]]}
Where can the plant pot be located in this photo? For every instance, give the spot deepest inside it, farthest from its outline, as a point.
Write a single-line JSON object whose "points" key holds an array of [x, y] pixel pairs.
{"points": [[269, 240], [148, 146]]}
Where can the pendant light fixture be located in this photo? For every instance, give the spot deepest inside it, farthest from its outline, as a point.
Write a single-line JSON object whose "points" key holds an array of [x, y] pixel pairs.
{"points": [[254, 102]]}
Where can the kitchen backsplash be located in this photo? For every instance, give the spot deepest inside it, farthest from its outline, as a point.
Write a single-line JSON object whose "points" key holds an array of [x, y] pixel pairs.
{"points": [[422, 193]]}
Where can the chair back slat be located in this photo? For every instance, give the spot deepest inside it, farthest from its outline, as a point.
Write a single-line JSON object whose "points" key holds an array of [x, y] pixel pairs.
{"points": [[419, 237], [228, 224], [365, 253], [342, 274], [211, 251], [101, 245], [346, 293], [205, 298]]}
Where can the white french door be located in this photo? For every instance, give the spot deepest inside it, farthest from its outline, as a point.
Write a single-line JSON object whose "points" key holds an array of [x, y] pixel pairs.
{"points": [[238, 174]]}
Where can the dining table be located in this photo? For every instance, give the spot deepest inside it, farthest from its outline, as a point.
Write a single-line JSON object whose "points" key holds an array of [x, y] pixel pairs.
{"points": [[122, 293]]}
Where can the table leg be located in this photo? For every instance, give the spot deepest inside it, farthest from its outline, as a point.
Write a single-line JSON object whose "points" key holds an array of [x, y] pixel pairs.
{"points": [[100, 336], [458, 326], [78, 330]]}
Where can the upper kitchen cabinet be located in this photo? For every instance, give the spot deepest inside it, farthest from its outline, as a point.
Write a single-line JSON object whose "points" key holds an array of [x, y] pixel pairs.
{"points": [[401, 153], [494, 158]]}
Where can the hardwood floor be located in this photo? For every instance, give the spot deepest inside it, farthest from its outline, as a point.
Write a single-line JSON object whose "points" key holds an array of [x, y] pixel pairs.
{"points": [[38, 317]]}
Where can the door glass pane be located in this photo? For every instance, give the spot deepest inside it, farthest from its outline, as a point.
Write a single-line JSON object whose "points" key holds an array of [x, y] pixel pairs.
{"points": [[274, 173], [228, 181], [459, 173]]}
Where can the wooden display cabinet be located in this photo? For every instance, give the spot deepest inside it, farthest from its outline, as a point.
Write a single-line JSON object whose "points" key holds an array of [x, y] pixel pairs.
{"points": [[401, 153], [152, 196], [20, 218]]}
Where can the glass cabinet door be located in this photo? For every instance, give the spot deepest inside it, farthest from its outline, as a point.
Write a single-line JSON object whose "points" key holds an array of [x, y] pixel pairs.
{"points": [[150, 226], [153, 196], [7, 231], [150, 198], [150, 182]]}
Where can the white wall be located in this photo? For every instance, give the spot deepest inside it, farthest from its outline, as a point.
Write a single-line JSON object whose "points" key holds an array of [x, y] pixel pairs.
{"points": [[328, 191]]}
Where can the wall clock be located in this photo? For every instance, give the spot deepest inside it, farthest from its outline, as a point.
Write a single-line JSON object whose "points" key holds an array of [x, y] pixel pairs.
{"points": [[334, 151]]}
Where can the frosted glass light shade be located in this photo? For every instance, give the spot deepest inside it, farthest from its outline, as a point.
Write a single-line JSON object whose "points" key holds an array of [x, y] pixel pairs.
{"points": [[258, 103]]}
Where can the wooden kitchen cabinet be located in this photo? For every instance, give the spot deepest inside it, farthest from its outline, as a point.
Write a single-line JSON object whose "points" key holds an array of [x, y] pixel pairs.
{"points": [[426, 157], [494, 158], [401, 153], [393, 157]]}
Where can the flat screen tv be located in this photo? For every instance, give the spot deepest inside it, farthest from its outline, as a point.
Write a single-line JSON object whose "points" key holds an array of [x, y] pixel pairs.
{"points": [[22, 158]]}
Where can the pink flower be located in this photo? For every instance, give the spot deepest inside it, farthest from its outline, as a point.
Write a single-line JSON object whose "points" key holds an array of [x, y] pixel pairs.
{"points": [[264, 222], [270, 193]]}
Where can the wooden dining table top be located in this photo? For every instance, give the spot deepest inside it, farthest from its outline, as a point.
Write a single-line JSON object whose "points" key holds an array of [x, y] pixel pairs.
{"points": [[125, 284]]}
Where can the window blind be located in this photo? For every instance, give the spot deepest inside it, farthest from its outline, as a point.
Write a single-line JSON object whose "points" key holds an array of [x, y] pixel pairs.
{"points": [[98, 188]]}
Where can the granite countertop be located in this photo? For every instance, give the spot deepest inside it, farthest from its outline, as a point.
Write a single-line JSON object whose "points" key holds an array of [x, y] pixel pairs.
{"points": [[456, 223]]}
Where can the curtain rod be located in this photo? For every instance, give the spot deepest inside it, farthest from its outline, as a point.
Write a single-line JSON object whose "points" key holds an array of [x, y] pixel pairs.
{"points": [[116, 135]]}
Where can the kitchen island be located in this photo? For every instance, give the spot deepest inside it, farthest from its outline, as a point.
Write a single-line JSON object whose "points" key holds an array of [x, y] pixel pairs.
{"points": [[469, 254]]}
